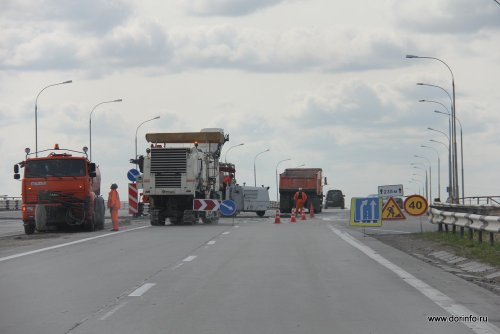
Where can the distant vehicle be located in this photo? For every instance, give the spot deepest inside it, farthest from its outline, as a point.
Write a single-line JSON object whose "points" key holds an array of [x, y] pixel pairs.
{"points": [[249, 199], [311, 182], [334, 199]]}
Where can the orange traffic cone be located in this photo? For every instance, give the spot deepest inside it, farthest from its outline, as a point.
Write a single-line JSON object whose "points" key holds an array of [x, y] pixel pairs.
{"points": [[303, 216], [277, 219], [311, 211], [292, 217]]}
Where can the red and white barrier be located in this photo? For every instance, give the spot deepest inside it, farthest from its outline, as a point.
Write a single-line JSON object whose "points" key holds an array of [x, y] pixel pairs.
{"points": [[133, 199]]}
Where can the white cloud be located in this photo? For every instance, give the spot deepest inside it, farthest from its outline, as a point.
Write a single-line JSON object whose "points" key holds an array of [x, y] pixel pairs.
{"points": [[449, 16], [227, 7]]}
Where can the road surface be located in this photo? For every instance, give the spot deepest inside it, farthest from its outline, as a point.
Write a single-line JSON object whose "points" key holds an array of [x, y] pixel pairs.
{"points": [[245, 275]]}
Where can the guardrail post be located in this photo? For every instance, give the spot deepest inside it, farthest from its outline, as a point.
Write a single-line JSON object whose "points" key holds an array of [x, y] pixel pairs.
{"points": [[462, 232], [440, 227], [446, 228], [471, 234], [492, 238], [480, 236], [454, 229]]}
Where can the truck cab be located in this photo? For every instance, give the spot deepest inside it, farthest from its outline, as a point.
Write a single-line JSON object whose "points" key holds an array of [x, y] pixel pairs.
{"points": [[60, 189]]}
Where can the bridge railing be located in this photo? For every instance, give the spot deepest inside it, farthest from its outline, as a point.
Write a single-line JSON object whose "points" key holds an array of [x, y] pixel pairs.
{"points": [[473, 223], [10, 203], [481, 200]]}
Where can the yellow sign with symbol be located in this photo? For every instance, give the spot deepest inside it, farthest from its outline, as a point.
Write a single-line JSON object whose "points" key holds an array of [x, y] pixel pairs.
{"points": [[392, 211], [416, 205]]}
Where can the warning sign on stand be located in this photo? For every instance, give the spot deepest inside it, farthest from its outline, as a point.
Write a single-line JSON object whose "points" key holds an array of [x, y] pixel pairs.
{"points": [[391, 211]]}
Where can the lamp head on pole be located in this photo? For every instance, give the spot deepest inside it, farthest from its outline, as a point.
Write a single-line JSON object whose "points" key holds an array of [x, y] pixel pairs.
{"points": [[412, 56]]}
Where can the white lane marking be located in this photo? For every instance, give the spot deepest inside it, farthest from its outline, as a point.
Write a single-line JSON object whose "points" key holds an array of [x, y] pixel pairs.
{"points": [[435, 295], [113, 311], [177, 266], [211, 242], [226, 233], [142, 290], [68, 244], [190, 258]]}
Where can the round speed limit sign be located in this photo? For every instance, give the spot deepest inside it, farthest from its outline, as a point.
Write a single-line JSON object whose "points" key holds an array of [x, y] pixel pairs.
{"points": [[415, 205]]}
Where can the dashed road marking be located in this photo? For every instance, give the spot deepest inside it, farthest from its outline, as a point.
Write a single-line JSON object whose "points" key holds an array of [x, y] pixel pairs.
{"points": [[142, 290], [211, 242], [113, 311], [190, 258]]}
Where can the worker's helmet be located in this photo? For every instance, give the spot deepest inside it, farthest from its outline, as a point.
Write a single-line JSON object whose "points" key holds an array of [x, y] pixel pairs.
{"points": [[300, 189], [114, 186]]}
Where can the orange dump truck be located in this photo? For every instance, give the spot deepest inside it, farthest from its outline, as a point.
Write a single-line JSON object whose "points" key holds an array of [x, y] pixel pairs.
{"points": [[60, 188], [311, 182]]}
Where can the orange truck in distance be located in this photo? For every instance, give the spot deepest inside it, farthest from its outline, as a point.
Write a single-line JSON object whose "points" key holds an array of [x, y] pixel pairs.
{"points": [[60, 189], [311, 182]]}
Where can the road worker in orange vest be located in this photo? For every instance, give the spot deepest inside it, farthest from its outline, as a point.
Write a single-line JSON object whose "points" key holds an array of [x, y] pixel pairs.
{"points": [[300, 198], [114, 205]]}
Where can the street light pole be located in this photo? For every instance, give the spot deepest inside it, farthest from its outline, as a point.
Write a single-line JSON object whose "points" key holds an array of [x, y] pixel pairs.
{"points": [[136, 130], [450, 174], [90, 123], [430, 175], [426, 180], [254, 169], [461, 150], [225, 155], [439, 169], [453, 128], [277, 192], [36, 111]]}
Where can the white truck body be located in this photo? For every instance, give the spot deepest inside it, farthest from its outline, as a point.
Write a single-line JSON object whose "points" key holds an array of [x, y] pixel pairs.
{"points": [[249, 199]]}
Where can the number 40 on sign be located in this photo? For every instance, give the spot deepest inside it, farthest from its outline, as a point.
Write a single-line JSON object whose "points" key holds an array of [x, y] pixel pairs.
{"points": [[415, 205]]}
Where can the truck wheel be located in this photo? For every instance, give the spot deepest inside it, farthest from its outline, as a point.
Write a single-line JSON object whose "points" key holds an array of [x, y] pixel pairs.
{"points": [[40, 218], [261, 213], [90, 224], [99, 211], [29, 228]]}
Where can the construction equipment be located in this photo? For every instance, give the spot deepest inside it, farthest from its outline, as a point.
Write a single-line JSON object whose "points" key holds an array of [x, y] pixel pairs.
{"points": [[60, 189], [178, 168], [311, 182], [247, 199]]}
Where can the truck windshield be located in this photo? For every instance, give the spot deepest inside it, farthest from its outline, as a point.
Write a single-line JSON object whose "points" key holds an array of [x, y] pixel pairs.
{"points": [[47, 168]]}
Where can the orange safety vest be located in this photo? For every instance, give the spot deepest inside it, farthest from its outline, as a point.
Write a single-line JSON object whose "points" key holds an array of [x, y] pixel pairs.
{"points": [[113, 199]]}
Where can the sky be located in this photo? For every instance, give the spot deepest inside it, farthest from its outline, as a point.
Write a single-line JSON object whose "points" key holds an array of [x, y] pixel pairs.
{"points": [[324, 83]]}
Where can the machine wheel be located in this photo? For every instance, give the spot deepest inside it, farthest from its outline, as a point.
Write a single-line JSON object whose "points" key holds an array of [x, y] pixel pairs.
{"points": [[261, 213], [90, 224], [40, 218], [99, 211], [29, 228]]}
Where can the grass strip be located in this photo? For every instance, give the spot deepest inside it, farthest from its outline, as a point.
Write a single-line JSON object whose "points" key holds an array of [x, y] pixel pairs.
{"points": [[470, 249]]}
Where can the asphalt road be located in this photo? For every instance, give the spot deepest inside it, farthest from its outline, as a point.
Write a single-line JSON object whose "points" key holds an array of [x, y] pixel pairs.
{"points": [[245, 275]]}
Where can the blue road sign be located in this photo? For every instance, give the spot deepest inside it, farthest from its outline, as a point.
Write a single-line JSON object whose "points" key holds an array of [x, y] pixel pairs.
{"points": [[227, 207], [366, 211], [133, 174]]}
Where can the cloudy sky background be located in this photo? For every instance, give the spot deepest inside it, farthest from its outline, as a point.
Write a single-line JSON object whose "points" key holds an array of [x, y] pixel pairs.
{"points": [[323, 82]]}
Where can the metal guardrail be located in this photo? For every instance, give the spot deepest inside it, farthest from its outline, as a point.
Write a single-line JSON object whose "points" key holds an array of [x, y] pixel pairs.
{"points": [[472, 222], [481, 200], [10, 203], [274, 205]]}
